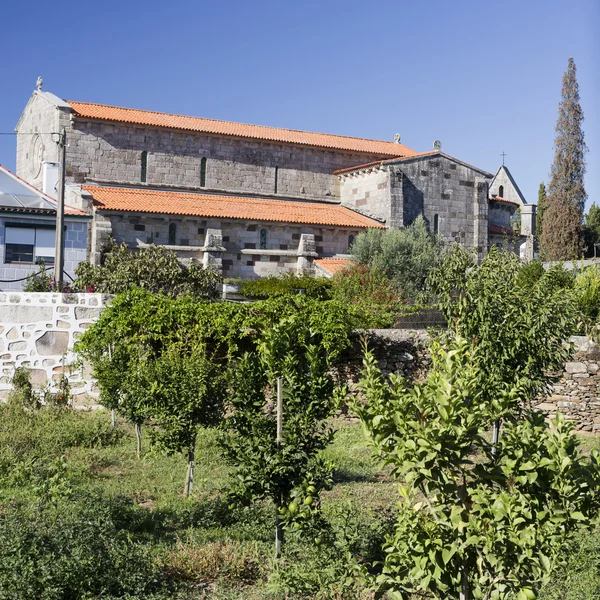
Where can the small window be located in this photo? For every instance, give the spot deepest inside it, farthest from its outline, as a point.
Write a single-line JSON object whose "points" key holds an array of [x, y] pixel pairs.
{"points": [[436, 223], [276, 178], [501, 191], [144, 173], [350, 242], [263, 239], [203, 172], [29, 245], [172, 234]]}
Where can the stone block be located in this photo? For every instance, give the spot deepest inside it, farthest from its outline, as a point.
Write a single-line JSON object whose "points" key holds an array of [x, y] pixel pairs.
{"points": [[25, 313], [575, 367], [52, 343], [17, 346], [87, 313]]}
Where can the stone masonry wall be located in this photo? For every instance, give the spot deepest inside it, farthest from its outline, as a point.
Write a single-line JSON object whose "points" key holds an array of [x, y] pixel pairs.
{"points": [[38, 331], [577, 394]]}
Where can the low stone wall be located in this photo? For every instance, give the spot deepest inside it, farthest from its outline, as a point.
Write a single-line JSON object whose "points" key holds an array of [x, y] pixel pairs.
{"points": [[38, 331], [577, 394]]}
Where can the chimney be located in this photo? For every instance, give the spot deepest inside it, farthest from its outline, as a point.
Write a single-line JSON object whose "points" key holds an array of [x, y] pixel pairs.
{"points": [[50, 172]]}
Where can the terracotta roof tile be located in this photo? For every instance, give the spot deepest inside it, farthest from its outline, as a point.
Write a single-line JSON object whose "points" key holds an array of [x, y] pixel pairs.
{"points": [[505, 200], [104, 112], [227, 207], [333, 265]]}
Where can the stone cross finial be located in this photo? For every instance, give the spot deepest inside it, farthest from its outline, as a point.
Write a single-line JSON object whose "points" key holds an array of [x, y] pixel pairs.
{"points": [[437, 145], [397, 138], [39, 83]]}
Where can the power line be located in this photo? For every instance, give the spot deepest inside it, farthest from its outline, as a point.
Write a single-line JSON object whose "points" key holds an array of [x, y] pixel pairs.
{"points": [[28, 133]]}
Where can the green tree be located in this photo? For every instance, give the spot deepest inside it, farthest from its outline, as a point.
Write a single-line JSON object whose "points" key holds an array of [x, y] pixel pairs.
{"points": [[405, 255], [296, 340], [542, 205], [592, 229], [155, 268], [566, 187], [473, 522]]}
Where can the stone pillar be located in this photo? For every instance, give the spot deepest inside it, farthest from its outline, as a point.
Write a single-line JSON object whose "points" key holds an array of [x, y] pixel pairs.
{"points": [[101, 233], [480, 217], [528, 216], [213, 250], [305, 265]]}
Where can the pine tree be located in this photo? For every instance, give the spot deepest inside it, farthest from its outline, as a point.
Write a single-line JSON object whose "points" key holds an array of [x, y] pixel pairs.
{"points": [[542, 205], [566, 191]]}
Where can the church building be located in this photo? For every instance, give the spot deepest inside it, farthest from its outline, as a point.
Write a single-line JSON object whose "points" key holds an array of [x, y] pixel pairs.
{"points": [[252, 200]]}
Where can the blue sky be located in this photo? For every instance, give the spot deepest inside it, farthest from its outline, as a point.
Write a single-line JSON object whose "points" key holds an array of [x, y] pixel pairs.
{"points": [[484, 77]]}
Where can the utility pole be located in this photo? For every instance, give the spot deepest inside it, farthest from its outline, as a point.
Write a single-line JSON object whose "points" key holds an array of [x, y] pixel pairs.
{"points": [[59, 255]]}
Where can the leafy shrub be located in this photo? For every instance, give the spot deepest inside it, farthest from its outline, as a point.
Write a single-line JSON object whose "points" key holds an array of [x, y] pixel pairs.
{"points": [[41, 281], [587, 293], [405, 255], [155, 268], [371, 292], [22, 393], [71, 551], [290, 283]]}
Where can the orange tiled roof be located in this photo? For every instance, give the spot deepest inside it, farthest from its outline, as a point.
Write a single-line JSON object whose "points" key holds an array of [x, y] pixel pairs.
{"points": [[500, 199], [227, 207], [258, 132], [333, 265]]}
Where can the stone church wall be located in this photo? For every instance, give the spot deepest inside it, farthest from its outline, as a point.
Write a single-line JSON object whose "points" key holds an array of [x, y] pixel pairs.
{"points": [[367, 191], [39, 330]]}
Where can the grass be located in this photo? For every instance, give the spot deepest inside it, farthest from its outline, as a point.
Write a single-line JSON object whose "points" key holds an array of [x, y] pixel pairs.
{"points": [[74, 484]]}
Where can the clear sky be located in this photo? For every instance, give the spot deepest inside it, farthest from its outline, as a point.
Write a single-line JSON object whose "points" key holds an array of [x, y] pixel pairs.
{"points": [[482, 76]]}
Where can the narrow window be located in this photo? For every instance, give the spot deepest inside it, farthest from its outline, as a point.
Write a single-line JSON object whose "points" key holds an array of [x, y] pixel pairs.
{"points": [[144, 166], [501, 191], [276, 178], [263, 239], [172, 234], [350, 242], [436, 223], [203, 172]]}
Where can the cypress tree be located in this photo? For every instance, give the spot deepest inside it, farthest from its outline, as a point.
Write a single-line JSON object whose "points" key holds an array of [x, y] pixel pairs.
{"points": [[566, 191], [542, 205]]}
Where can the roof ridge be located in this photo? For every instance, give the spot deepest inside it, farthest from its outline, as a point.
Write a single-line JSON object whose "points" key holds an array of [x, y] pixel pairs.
{"points": [[154, 112]]}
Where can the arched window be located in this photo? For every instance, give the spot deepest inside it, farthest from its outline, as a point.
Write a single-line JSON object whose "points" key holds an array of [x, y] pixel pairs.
{"points": [[203, 172], [144, 171], [436, 223], [501, 191], [350, 242], [276, 178], [263, 239], [172, 234]]}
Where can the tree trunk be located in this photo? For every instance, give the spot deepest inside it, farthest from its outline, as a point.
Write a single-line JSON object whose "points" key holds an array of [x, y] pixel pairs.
{"points": [[138, 435], [189, 476], [112, 417], [279, 439]]}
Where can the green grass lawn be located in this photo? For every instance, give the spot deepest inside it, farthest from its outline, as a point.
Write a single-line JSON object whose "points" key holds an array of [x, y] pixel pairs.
{"points": [[77, 505]]}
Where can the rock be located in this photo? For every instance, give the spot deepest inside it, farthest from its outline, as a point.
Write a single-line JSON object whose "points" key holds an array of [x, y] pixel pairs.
{"points": [[53, 343], [575, 367]]}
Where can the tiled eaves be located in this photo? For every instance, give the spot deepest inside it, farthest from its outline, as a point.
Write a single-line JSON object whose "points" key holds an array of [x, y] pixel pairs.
{"points": [[227, 207], [405, 159], [118, 114]]}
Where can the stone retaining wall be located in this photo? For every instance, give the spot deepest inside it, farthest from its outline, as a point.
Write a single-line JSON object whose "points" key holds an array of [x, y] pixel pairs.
{"points": [[577, 394], [38, 331]]}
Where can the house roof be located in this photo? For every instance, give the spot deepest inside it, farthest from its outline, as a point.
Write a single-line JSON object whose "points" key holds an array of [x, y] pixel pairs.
{"points": [[504, 168], [333, 265], [504, 200], [118, 114], [16, 195], [415, 156], [226, 207]]}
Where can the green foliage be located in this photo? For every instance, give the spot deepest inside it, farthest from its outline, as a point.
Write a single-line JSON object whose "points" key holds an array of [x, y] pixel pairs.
{"points": [[155, 268], [370, 293], [562, 237], [51, 553], [62, 396], [592, 230], [41, 281], [405, 255], [296, 344], [471, 520], [542, 205], [22, 393], [290, 283], [517, 322]]}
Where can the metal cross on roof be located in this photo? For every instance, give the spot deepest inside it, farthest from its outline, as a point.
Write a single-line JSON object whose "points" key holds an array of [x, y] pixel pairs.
{"points": [[503, 155]]}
